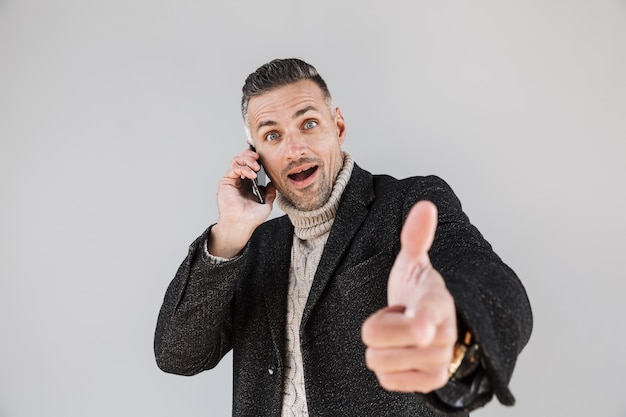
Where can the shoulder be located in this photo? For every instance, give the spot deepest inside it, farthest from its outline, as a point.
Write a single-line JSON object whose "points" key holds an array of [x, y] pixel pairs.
{"points": [[395, 197], [384, 184], [413, 189], [426, 182], [389, 193]]}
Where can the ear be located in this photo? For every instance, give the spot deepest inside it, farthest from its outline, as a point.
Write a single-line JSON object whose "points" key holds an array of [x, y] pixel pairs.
{"points": [[249, 139], [341, 126]]}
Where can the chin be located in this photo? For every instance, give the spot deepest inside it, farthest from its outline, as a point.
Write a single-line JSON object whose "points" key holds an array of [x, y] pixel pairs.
{"points": [[304, 205], [317, 200], [309, 199]]}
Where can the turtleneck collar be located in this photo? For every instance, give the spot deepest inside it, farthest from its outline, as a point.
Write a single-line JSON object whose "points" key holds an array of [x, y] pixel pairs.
{"points": [[314, 223]]}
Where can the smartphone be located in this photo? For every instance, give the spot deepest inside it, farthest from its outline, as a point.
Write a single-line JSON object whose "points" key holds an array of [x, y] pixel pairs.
{"points": [[259, 180]]}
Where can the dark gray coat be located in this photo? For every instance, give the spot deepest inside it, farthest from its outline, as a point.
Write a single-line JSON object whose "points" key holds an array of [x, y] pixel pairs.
{"points": [[241, 305]]}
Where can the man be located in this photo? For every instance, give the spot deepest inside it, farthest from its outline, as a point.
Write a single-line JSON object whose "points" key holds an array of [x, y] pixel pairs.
{"points": [[372, 296]]}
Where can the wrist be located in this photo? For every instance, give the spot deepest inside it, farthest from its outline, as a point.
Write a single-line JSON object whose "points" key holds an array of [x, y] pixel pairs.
{"points": [[227, 241]]}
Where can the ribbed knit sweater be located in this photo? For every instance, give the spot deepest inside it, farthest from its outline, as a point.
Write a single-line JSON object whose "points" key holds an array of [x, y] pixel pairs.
{"points": [[311, 229]]}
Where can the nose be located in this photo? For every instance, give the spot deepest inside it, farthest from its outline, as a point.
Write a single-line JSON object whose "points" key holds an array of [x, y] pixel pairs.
{"points": [[296, 145]]}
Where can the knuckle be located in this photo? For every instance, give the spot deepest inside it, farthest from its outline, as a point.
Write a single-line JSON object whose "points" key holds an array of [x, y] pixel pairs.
{"points": [[365, 332], [387, 382], [370, 361], [440, 378]]}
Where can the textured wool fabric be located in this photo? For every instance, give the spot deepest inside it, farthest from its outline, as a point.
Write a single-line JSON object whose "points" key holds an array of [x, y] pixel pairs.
{"points": [[241, 305], [311, 229]]}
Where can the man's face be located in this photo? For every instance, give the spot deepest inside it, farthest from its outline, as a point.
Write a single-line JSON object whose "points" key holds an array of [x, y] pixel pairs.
{"points": [[299, 140]]}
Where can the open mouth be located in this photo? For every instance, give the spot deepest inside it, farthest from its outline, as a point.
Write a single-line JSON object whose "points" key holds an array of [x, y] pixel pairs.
{"points": [[303, 175]]}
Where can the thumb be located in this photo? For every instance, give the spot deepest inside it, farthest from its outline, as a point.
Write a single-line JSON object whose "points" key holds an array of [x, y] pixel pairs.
{"points": [[418, 231]]}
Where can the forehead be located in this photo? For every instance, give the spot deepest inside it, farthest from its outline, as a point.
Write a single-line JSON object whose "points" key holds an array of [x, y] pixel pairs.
{"points": [[285, 99]]}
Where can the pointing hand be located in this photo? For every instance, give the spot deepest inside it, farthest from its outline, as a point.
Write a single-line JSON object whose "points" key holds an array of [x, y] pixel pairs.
{"points": [[410, 343]]}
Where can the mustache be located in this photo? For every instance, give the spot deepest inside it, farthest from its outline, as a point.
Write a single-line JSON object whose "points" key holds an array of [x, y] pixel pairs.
{"points": [[297, 163]]}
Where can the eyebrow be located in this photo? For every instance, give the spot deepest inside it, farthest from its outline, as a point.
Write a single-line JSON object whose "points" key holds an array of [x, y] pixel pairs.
{"points": [[295, 115], [303, 110]]}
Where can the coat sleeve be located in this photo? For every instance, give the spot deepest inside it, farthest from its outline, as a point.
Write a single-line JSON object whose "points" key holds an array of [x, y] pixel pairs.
{"points": [[491, 303], [193, 329]]}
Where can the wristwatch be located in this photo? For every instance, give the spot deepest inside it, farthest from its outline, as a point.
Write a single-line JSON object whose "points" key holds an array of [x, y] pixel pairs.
{"points": [[465, 359]]}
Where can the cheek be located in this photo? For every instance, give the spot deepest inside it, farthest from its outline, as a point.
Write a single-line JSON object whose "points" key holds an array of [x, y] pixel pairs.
{"points": [[271, 172]]}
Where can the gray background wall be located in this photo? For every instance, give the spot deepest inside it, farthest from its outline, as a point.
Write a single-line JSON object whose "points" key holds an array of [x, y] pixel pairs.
{"points": [[117, 118]]}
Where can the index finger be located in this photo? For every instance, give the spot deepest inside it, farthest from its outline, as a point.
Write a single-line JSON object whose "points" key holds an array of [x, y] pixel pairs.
{"points": [[244, 165]]}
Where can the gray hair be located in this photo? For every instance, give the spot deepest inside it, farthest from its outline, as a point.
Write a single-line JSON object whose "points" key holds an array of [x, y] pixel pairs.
{"points": [[278, 73]]}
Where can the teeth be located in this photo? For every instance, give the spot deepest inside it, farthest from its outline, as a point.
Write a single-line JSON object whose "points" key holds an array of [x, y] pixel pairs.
{"points": [[306, 169], [302, 174]]}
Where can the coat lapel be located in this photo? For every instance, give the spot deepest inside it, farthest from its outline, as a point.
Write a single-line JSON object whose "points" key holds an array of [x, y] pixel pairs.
{"points": [[275, 281], [353, 210]]}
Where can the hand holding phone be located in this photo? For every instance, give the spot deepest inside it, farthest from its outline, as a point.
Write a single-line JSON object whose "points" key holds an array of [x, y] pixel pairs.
{"points": [[259, 180]]}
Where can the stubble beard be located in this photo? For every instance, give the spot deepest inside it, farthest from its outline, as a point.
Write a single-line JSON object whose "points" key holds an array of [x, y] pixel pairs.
{"points": [[309, 200]]}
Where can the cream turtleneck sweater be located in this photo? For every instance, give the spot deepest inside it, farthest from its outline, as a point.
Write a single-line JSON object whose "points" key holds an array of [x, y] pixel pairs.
{"points": [[311, 230]]}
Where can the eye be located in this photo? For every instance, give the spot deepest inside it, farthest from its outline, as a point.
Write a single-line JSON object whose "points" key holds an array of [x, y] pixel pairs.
{"points": [[310, 124], [271, 136]]}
